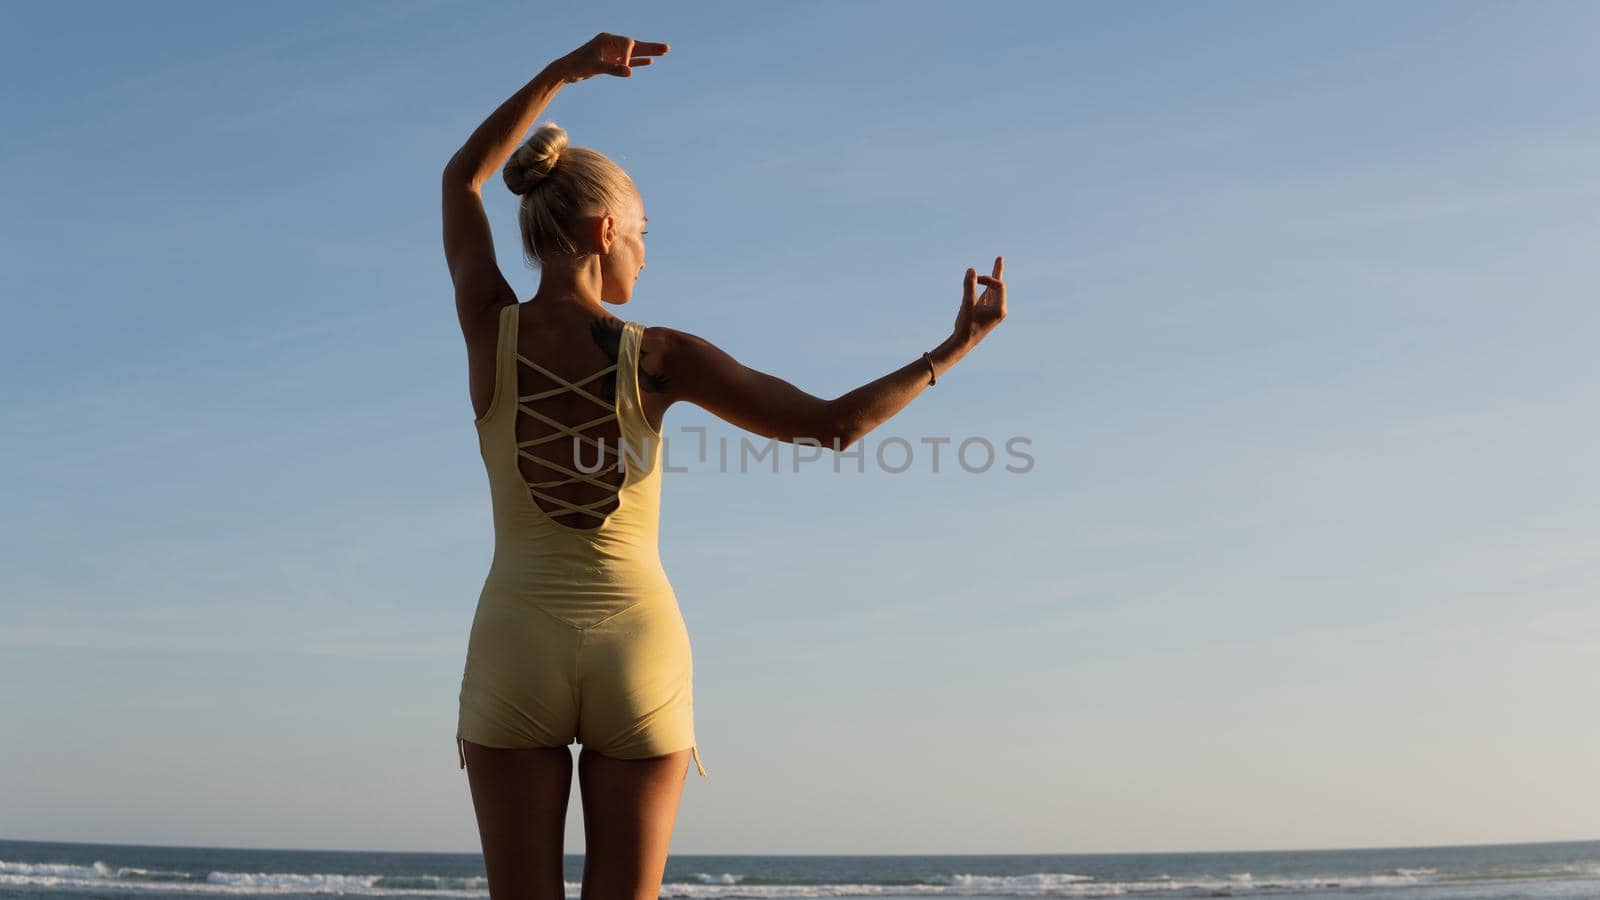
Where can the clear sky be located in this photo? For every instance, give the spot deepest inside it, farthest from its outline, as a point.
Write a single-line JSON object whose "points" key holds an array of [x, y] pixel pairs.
{"points": [[1302, 329]]}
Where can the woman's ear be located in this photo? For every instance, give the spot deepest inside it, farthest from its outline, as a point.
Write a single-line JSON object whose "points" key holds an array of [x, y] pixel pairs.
{"points": [[598, 234]]}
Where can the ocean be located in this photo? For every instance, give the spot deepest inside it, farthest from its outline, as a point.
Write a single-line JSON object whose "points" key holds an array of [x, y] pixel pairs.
{"points": [[50, 871]]}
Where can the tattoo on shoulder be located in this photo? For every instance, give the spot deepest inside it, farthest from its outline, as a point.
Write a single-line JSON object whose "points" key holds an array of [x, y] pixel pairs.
{"points": [[607, 335]]}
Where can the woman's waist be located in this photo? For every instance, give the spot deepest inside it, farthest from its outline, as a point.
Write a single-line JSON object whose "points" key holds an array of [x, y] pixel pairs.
{"points": [[619, 550], [578, 600], [520, 573]]}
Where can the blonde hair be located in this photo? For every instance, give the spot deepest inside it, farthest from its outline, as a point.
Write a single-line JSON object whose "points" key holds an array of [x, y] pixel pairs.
{"points": [[559, 184]]}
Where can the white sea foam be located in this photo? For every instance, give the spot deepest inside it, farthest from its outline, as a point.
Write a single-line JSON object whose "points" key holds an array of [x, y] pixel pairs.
{"points": [[724, 878], [1010, 883], [718, 886], [1039, 884], [136, 879]]}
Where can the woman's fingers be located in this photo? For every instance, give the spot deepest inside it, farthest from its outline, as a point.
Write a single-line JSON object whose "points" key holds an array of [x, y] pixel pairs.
{"points": [[988, 309], [994, 295], [993, 287], [623, 45], [993, 301], [638, 53], [616, 54]]}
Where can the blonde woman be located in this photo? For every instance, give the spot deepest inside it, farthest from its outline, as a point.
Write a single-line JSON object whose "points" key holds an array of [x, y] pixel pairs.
{"points": [[577, 636]]}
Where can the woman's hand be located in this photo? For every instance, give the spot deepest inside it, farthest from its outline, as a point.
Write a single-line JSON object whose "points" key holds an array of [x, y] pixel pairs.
{"points": [[605, 54], [979, 315]]}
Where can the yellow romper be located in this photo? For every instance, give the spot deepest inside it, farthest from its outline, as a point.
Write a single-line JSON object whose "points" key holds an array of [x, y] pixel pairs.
{"points": [[577, 633]]}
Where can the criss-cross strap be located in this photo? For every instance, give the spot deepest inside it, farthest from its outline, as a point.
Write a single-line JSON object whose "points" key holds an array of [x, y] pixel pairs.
{"points": [[563, 429], [575, 386], [572, 507], [575, 476], [575, 431]]}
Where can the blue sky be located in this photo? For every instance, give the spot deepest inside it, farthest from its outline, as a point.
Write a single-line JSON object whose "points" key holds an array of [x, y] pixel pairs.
{"points": [[1301, 332]]}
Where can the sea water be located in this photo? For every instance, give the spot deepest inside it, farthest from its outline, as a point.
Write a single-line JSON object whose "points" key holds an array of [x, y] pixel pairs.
{"points": [[48, 871]]}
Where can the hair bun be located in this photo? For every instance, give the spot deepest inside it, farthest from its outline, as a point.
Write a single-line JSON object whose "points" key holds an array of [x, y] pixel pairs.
{"points": [[536, 158]]}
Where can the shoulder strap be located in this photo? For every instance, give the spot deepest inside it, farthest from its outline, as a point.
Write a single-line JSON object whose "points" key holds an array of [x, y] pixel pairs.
{"points": [[628, 392], [504, 362]]}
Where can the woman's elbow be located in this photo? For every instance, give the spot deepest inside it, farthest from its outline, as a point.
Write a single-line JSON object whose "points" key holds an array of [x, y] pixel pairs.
{"points": [[837, 431], [828, 440]]}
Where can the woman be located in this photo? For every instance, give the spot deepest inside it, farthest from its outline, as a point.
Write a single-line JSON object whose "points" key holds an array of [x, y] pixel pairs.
{"points": [[577, 634]]}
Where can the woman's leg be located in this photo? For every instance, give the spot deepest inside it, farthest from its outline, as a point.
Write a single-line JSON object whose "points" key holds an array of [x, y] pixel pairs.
{"points": [[629, 809], [520, 798]]}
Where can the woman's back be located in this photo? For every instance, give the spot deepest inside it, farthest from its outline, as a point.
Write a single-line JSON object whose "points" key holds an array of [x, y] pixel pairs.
{"points": [[567, 370], [578, 634]]}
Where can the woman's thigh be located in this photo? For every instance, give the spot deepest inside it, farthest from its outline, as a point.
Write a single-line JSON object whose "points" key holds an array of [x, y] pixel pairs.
{"points": [[630, 807], [520, 799]]}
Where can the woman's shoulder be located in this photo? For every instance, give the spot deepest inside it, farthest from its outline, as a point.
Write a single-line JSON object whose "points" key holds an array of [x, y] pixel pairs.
{"points": [[666, 340], [656, 343], [663, 345]]}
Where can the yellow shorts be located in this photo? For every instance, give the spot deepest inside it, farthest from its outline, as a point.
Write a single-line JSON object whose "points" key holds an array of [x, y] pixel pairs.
{"points": [[622, 686]]}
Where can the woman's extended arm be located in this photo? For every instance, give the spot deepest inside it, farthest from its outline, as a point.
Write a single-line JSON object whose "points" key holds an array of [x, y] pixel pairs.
{"points": [[697, 371]]}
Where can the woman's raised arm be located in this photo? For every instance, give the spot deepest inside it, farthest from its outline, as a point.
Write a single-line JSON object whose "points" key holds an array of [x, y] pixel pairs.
{"points": [[698, 371], [493, 141], [468, 243]]}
